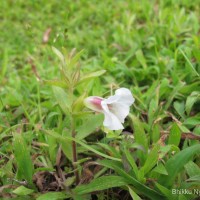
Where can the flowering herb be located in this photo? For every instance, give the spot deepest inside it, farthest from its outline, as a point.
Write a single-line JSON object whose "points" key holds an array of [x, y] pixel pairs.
{"points": [[115, 108]]}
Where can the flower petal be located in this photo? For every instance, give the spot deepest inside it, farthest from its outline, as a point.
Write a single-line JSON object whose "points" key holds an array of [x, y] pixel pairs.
{"points": [[125, 96], [122, 95], [110, 120], [120, 110], [115, 108], [120, 103], [94, 103], [112, 99]]}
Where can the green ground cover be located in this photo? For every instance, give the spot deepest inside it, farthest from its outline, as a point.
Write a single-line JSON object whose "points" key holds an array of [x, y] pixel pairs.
{"points": [[149, 47]]}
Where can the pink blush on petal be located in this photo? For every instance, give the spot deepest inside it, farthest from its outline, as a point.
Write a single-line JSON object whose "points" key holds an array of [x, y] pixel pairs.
{"points": [[97, 102]]}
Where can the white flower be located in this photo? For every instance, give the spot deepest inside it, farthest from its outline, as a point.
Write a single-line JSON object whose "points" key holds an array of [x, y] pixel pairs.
{"points": [[115, 108]]}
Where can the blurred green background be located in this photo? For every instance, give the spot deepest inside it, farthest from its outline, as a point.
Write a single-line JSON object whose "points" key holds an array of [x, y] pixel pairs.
{"points": [[151, 47]]}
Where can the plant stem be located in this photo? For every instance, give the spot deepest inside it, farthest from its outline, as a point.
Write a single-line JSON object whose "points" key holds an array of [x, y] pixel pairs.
{"points": [[73, 134], [74, 152]]}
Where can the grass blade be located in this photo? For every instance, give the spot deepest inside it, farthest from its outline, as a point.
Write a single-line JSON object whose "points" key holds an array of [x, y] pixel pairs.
{"points": [[102, 183], [64, 139], [23, 158], [141, 188], [175, 164], [190, 64]]}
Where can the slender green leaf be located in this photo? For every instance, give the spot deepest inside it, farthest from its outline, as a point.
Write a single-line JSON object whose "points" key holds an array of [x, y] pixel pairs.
{"points": [[180, 108], [139, 134], [133, 194], [53, 196], [78, 104], [101, 183], [152, 159], [165, 191], [59, 54], [153, 107], [186, 89], [195, 178], [66, 145], [58, 83], [160, 169], [192, 121], [141, 188], [131, 161], [63, 99], [175, 135], [140, 137], [112, 150], [141, 59], [91, 75], [175, 164], [191, 101], [52, 144], [21, 190], [75, 58], [155, 133], [192, 169], [66, 139], [189, 62], [173, 94], [23, 158], [89, 126], [152, 110]]}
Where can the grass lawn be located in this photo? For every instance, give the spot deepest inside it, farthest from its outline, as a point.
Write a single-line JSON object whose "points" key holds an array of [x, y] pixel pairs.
{"points": [[55, 54]]}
